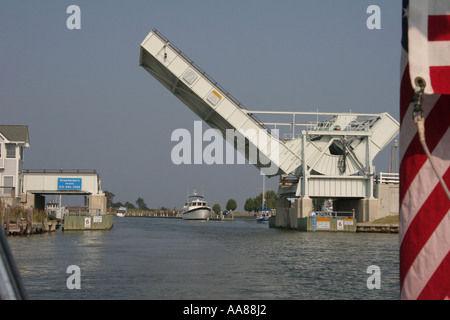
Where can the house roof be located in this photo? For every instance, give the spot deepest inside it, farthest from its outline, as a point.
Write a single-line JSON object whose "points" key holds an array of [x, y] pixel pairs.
{"points": [[16, 133]]}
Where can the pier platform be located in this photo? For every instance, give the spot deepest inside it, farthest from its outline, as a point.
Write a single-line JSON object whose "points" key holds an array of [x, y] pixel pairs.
{"points": [[221, 218], [26, 228], [377, 228], [171, 214], [86, 222], [20, 221], [337, 224]]}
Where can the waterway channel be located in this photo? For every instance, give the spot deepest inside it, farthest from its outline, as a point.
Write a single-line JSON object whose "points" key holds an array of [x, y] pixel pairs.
{"points": [[174, 259]]}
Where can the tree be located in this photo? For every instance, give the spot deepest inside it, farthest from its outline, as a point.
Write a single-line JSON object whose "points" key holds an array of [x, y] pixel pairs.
{"points": [[258, 202], [117, 204], [318, 203], [249, 205], [231, 205], [141, 204], [109, 198], [271, 199], [129, 205], [216, 208]]}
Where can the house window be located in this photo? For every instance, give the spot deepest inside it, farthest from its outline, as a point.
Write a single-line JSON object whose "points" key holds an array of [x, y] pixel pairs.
{"points": [[10, 150], [8, 182]]}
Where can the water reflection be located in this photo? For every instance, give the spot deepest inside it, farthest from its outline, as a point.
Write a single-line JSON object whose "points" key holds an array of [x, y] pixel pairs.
{"points": [[144, 258]]}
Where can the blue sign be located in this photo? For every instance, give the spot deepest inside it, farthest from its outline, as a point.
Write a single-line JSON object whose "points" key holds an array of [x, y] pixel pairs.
{"points": [[69, 183]]}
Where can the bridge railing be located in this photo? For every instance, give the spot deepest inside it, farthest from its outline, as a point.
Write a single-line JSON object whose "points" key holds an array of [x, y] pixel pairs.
{"points": [[386, 177], [71, 171], [83, 211], [205, 75], [333, 214]]}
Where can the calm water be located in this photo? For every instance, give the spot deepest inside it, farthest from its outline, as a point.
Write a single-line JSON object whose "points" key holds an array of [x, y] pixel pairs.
{"points": [[153, 258]]}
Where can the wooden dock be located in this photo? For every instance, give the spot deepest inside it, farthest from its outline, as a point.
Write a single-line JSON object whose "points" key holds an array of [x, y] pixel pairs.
{"points": [[21, 228], [23, 224], [218, 218], [173, 215], [376, 228], [153, 215]]}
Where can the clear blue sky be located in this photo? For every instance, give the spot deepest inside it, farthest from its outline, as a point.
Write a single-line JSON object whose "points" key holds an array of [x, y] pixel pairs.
{"points": [[89, 105]]}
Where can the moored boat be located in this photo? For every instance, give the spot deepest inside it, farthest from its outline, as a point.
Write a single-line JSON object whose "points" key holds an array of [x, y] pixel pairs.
{"points": [[55, 210], [263, 215], [121, 211], [196, 208]]}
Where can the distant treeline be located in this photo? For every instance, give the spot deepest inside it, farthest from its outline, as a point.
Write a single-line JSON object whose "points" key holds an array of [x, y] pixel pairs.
{"points": [[251, 204], [255, 204], [140, 203]]}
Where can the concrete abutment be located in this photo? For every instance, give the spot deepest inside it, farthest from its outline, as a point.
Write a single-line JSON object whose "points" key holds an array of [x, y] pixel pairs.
{"points": [[289, 214]]}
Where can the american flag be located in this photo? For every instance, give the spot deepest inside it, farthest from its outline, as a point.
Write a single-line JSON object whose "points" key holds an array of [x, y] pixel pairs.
{"points": [[424, 205]]}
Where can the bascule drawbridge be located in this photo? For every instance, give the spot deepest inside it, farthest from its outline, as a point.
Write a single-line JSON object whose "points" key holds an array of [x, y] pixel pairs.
{"points": [[331, 157]]}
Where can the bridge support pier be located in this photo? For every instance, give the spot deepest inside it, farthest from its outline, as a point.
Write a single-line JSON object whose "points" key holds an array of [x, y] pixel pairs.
{"points": [[97, 203], [288, 215], [32, 200], [365, 209]]}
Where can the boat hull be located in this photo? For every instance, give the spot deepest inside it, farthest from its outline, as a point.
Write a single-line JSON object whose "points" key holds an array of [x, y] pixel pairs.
{"points": [[263, 215], [197, 214]]}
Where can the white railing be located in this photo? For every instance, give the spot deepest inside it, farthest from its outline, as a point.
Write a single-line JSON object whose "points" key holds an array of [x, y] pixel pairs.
{"points": [[386, 178]]}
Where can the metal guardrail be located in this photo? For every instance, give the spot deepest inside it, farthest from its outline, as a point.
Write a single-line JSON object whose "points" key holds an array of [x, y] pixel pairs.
{"points": [[208, 77], [83, 211], [71, 171], [333, 214], [386, 178]]}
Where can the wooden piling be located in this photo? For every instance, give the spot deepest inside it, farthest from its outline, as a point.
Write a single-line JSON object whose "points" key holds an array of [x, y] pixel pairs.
{"points": [[19, 224], [29, 220], [8, 216]]}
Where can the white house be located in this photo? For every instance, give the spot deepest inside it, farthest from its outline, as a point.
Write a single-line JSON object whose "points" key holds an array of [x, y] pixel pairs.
{"points": [[13, 140]]}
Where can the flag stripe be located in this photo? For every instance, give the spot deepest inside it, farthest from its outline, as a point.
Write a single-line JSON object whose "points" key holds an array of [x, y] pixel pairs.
{"points": [[438, 54], [423, 225], [424, 208], [436, 124], [440, 78], [427, 262], [435, 291], [438, 27], [423, 185]]}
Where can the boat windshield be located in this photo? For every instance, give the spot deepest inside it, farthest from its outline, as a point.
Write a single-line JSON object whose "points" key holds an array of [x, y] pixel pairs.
{"points": [[198, 203]]}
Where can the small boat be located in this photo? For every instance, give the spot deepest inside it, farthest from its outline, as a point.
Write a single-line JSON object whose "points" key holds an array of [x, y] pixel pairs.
{"points": [[55, 210], [263, 215], [121, 212], [196, 208]]}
